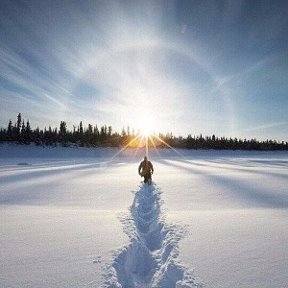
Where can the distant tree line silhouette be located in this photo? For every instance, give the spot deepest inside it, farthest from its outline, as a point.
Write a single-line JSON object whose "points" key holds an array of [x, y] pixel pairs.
{"points": [[93, 136]]}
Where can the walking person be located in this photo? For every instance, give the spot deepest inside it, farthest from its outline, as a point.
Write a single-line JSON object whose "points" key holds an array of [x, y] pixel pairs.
{"points": [[146, 170]]}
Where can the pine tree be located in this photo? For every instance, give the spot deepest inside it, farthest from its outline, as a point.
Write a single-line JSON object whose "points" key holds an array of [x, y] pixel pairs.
{"points": [[109, 131], [81, 129], [18, 126], [123, 132], [10, 131], [22, 132], [28, 133], [97, 133], [102, 134], [63, 133], [62, 129], [3, 135], [37, 136]]}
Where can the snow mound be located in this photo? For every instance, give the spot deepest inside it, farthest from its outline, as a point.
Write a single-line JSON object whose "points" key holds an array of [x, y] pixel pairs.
{"points": [[150, 259]]}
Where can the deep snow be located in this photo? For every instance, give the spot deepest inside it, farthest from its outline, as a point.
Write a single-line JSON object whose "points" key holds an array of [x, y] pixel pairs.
{"points": [[81, 218]]}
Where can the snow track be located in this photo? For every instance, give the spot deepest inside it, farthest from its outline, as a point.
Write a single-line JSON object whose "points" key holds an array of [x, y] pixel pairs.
{"points": [[150, 259]]}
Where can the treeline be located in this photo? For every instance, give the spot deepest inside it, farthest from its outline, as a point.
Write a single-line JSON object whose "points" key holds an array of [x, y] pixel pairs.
{"points": [[93, 136], [224, 143]]}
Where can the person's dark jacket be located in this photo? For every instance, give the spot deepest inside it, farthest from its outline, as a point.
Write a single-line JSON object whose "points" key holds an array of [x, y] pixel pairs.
{"points": [[145, 168]]}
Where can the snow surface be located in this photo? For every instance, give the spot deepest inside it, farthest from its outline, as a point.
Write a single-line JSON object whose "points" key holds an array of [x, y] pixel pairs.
{"points": [[81, 218]]}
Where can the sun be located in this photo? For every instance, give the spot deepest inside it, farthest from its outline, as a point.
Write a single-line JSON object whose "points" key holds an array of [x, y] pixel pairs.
{"points": [[146, 125]]}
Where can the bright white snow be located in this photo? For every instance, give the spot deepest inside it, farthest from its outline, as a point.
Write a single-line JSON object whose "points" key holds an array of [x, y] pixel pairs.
{"points": [[81, 218]]}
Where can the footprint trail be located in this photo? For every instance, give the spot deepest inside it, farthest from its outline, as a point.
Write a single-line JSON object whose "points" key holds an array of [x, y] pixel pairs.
{"points": [[150, 259]]}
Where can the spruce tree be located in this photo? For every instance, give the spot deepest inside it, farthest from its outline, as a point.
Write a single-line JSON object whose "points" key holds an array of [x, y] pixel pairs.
{"points": [[28, 133], [10, 131], [18, 126], [81, 129], [22, 133], [109, 131], [62, 133]]}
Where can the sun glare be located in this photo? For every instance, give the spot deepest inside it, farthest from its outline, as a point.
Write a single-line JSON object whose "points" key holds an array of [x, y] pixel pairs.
{"points": [[146, 125]]}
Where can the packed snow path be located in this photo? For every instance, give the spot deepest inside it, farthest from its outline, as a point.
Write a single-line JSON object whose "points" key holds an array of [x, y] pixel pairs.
{"points": [[150, 259]]}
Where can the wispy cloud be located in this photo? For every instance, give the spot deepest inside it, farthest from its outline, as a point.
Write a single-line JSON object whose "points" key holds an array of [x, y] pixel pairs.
{"points": [[266, 126]]}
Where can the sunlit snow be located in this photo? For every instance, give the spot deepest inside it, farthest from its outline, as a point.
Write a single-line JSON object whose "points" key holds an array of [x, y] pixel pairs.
{"points": [[77, 217]]}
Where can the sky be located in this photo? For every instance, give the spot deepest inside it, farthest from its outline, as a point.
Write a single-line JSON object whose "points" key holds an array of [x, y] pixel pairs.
{"points": [[210, 67]]}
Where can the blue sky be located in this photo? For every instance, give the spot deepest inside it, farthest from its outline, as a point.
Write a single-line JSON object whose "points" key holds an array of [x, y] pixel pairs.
{"points": [[211, 67]]}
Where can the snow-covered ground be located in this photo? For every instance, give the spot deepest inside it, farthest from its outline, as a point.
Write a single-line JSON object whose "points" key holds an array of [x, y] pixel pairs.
{"points": [[81, 218]]}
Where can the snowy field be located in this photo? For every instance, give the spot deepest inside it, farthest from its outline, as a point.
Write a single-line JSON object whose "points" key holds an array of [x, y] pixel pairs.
{"points": [[81, 218]]}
